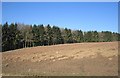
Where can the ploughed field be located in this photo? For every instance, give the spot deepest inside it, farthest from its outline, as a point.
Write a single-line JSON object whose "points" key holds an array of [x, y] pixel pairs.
{"points": [[78, 59]]}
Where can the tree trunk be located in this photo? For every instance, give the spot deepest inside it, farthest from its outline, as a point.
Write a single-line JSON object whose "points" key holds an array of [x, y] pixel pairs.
{"points": [[33, 44], [25, 43], [30, 43]]}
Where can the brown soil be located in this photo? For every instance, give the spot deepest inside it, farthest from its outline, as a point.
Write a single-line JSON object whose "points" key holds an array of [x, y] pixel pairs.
{"points": [[80, 59]]}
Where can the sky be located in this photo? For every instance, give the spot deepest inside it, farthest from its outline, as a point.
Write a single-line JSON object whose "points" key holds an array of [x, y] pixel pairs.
{"points": [[60, 0], [100, 16]]}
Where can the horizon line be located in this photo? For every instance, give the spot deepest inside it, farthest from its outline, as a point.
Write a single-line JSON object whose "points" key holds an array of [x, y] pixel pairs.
{"points": [[58, 26]]}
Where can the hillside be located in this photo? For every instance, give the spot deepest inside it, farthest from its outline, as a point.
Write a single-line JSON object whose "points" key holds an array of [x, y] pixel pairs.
{"points": [[79, 59]]}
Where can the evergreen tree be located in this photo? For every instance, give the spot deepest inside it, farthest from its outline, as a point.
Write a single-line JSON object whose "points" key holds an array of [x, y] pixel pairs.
{"points": [[74, 36], [35, 32], [49, 35], [68, 36], [12, 36], [41, 34], [107, 37], [115, 36], [95, 36], [5, 37], [16, 36], [78, 36], [118, 36], [57, 38], [88, 36]]}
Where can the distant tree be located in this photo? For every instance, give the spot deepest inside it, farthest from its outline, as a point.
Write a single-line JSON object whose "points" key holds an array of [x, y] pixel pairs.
{"points": [[41, 34], [5, 37], [107, 36], [68, 36], [10, 37], [118, 36], [35, 32], [29, 36], [49, 35], [12, 34], [95, 36], [78, 36], [18, 35], [88, 36], [57, 38], [100, 36], [74, 36], [17, 38], [115, 36]]}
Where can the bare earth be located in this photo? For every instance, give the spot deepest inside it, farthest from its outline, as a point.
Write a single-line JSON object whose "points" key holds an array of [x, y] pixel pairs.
{"points": [[79, 59]]}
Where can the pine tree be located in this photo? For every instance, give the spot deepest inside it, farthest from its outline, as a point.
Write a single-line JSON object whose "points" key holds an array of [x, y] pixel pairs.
{"points": [[57, 38], [68, 36], [49, 35], [35, 31], [95, 36], [5, 37], [16, 36], [41, 34], [115, 36], [78, 36], [88, 36], [107, 37], [13, 34]]}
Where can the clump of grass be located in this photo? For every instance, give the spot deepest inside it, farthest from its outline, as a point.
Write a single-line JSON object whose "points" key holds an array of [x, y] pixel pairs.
{"points": [[33, 57], [23, 60], [98, 49], [43, 55], [113, 49], [6, 65]]}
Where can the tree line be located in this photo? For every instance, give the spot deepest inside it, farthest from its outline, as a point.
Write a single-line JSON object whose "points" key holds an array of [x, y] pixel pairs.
{"points": [[16, 35]]}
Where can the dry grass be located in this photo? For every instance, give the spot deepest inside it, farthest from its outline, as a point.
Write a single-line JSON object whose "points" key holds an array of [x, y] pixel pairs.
{"points": [[68, 59]]}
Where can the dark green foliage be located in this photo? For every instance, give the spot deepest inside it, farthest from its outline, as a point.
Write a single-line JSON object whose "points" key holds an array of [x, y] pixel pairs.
{"points": [[88, 36], [48, 35], [38, 35], [107, 36], [118, 37], [41, 33], [5, 37], [115, 36], [35, 32], [10, 37], [15, 36], [57, 37], [78, 36], [95, 37], [67, 36]]}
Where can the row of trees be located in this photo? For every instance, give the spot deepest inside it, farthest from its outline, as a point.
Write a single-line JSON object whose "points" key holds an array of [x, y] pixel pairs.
{"points": [[15, 36]]}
